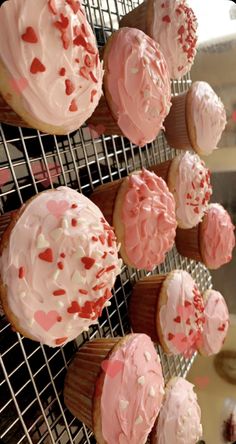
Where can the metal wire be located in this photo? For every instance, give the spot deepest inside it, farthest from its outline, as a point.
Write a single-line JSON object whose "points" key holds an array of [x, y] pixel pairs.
{"points": [[31, 375]]}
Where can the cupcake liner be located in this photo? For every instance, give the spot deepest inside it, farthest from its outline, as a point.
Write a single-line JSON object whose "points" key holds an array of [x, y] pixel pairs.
{"points": [[81, 378], [143, 306], [176, 130], [8, 116], [104, 197], [162, 169], [188, 243], [136, 18], [102, 120]]}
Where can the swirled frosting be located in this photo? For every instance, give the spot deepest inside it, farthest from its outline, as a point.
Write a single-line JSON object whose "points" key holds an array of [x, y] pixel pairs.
{"points": [[131, 400], [191, 188], [148, 215], [181, 317], [59, 266], [174, 27], [217, 239], [137, 79], [52, 48], [179, 421], [209, 117], [216, 323]]}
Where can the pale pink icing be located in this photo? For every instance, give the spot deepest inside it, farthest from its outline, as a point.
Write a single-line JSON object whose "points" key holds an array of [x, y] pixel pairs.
{"points": [[216, 323], [182, 317], [148, 215], [45, 94], [174, 27], [138, 81], [131, 400], [192, 190], [209, 117], [50, 221], [217, 237], [179, 421]]}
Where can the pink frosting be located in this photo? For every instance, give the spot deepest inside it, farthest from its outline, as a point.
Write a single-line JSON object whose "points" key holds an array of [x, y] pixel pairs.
{"points": [[67, 88], [59, 266], [138, 81], [209, 117], [217, 237], [174, 27], [181, 317], [132, 399], [216, 322], [179, 421], [192, 190], [148, 215]]}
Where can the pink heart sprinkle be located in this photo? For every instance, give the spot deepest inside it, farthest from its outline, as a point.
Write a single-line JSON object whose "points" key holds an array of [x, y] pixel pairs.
{"points": [[96, 130], [46, 320], [5, 176], [57, 208], [112, 368], [201, 382], [19, 84], [40, 172]]}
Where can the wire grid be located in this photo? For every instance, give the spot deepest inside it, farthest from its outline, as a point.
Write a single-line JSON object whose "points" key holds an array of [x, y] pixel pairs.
{"points": [[32, 375]]}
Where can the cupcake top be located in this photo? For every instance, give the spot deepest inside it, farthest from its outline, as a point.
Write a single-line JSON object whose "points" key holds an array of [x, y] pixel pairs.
{"points": [[174, 26], [191, 187], [137, 84], [148, 216], [59, 266], [52, 60], [217, 237], [179, 421], [131, 400], [216, 322], [180, 312], [208, 117]]}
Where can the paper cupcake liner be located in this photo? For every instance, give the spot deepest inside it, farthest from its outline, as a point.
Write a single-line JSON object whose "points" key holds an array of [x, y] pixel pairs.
{"points": [[176, 131], [102, 120], [162, 169], [143, 306], [104, 197], [188, 243], [8, 116], [136, 18], [81, 378]]}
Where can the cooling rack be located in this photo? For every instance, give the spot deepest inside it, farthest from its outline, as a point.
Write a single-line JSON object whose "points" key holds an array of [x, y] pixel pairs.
{"points": [[31, 375]]}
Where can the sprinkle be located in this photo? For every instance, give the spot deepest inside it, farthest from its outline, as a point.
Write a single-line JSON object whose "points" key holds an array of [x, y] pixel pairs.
{"points": [[123, 404], [93, 93], [62, 72], [170, 336], [152, 392], [56, 275], [63, 255], [88, 61], [102, 239], [70, 87], [110, 268], [99, 287], [100, 273], [162, 391], [94, 238], [196, 210], [82, 291], [147, 356], [74, 5], [74, 308], [60, 265], [74, 222], [64, 223], [73, 106], [21, 273], [107, 304], [141, 380], [59, 292], [52, 7], [187, 303], [36, 66], [56, 234], [107, 294], [177, 319], [138, 420], [134, 70], [104, 255], [83, 73], [110, 239], [59, 319], [77, 279], [166, 19], [29, 36], [74, 205], [46, 255], [80, 41], [93, 77], [88, 262], [42, 242], [22, 294], [77, 60], [60, 341]]}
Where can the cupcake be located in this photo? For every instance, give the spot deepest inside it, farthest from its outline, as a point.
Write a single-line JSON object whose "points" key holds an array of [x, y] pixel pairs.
{"points": [[179, 421], [173, 25], [142, 211], [115, 386], [212, 241], [216, 323], [197, 120], [50, 72], [188, 180], [58, 263], [169, 308], [136, 87]]}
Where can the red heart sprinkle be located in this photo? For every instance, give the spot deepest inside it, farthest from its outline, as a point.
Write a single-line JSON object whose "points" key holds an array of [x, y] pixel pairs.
{"points": [[74, 308], [88, 61], [84, 30], [63, 255], [170, 336], [60, 265], [177, 319], [181, 30], [59, 292], [70, 87], [30, 36], [88, 262], [187, 303], [222, 328], [166, 19], [62, 72], [46, 255], [73, 106], [60, 341], [83, 73], [74, 5], [188, 322], [37, 66], [80, 41], [21, 273]]}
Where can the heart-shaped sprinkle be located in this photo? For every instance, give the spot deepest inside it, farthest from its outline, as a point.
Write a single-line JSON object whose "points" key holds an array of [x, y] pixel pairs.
{"points": [[88, 262], [73, 106], [46, 255], [46, 320], [60, 265], [37, 66], [166, 19], [74, 5], [60, 341], [30, 35], [139, 420], [57, 207], [152, 392], [123, 404], [112, 367], [74, 308], [70, 87], [42, 241], [170, 336], [177, 319]]}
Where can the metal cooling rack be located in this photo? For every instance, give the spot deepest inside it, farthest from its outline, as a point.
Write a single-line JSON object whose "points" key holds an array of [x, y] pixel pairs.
{"points": [[31, 375]]}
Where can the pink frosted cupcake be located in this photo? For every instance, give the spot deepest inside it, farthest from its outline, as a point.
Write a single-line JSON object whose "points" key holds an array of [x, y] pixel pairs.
{"points": [[179, 421], [197, 119], [173, 25], [136, 87], [50, 72], [212, 241], [216, 323], [115, 386]]}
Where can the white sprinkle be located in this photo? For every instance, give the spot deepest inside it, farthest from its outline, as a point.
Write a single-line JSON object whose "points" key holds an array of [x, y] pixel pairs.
{"points": [[95, 227], [107, 304], [162, 391], [82, 220], [139, 420], [118, 246], [158, 359], [120, 263], [80, 252], [146, 60], [123, 404], [60, 303], [75, 316], [147, 356], [56, 234], [42, 242], [77, 279], [141, 380], [134, 70], [152, 392], [80, 301], [56, 274], [147, 106], [31, 322], [146, 94], [65, 223], [22, 294]]}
